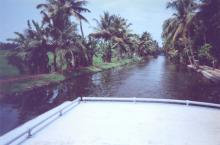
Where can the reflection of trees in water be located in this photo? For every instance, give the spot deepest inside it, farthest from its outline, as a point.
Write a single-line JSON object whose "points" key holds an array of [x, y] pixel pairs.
{"points": [[98, 84], [106, 83], [37, 101], [28, 104], [85, 85], [71, 89], [102, 83]]}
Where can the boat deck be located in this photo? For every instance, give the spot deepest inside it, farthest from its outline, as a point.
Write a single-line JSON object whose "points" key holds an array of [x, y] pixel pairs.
{"points": [[130, 123]]}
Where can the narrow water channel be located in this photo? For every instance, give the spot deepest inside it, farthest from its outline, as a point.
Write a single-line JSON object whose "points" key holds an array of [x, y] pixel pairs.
{"points": [[155, 78]]}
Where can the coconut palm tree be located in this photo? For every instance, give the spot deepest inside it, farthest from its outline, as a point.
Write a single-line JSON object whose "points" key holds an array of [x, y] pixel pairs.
{"points": [[176, 29], [133, 42], [103, 31], [145, 44], [57, 15], [60, 11], [114, 31]]}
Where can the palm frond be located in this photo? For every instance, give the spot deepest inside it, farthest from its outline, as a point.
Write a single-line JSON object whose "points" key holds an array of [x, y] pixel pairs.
{"points": [[29, 24], [80, 9], [21, 36], [36, 26], [79, 16], [40, 6]]}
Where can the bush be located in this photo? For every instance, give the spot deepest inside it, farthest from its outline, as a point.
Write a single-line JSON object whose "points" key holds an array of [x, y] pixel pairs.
{"points": [[204, 54]]}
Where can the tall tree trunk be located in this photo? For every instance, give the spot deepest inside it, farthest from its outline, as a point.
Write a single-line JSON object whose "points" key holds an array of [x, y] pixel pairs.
{"points": [[90, 59], [109, 56], [55, 61], [72, 62], [81, 28], [191, 52], [90, 54], [83, 55], [188, 47], [189, 57]]}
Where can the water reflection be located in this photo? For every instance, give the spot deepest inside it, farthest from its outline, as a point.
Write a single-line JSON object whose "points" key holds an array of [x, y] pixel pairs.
{"points": [[155, 78]]}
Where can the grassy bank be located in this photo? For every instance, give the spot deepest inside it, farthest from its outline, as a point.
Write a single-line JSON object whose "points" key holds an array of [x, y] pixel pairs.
{"points": [[25, 84], [99, 66], [30, 83]]}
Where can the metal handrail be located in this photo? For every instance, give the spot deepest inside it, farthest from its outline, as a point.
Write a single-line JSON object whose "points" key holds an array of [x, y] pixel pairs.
{"points": [[152, 100], [28, 131]]}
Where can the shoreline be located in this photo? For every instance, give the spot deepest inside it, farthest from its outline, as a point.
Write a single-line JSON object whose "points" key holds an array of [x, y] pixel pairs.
{"points": [[40, 80], [207, 72]]}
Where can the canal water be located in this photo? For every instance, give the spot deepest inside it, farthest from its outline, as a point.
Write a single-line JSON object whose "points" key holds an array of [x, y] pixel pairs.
{"points": [[154, 78]]}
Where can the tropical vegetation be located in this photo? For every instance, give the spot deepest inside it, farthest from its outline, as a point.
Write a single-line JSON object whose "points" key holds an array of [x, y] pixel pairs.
{"points": [[56, 45], [191, 35]]}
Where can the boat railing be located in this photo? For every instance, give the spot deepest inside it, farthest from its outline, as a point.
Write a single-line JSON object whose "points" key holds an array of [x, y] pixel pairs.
{"points": [[21, 137], [27, 133], [152, 100]]}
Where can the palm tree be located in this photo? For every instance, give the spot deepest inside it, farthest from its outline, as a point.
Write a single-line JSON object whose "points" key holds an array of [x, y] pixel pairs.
{"points": [[75, 8], [133, 42], [59, 11], [176, 29], [57, 15], [145, 43], [114, 31], [121, 33], [91, 45], [103, 32], [208, 16], [33, 44]]}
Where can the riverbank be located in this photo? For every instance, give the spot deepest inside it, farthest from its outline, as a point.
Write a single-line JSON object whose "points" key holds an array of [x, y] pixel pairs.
{"points": [[208, 72], [25, 83]]}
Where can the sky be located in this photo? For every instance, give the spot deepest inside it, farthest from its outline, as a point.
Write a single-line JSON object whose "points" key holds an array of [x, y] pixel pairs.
{"points": [[145, 15]]}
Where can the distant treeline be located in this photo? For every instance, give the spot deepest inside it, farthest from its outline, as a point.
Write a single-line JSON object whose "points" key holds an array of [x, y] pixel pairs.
{"points": [[8, 46]]}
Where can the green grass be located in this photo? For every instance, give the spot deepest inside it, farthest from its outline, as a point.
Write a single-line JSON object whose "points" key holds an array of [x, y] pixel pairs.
{"points": [[24, 85], [99, 66], [97, 60], [7, 70]]}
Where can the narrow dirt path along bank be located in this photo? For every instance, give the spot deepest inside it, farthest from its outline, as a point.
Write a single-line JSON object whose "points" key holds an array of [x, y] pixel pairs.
{"points": [[25, 83], [208, 72]]}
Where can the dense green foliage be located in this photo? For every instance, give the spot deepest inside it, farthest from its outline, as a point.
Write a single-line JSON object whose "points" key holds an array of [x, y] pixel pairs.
{"points": [[55, 44], [116, 39], [6, 69], [193, 31], [204, 53]]}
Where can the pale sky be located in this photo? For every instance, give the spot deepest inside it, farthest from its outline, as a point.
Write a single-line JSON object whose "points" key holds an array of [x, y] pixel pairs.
{"points": [[143, 14]]}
